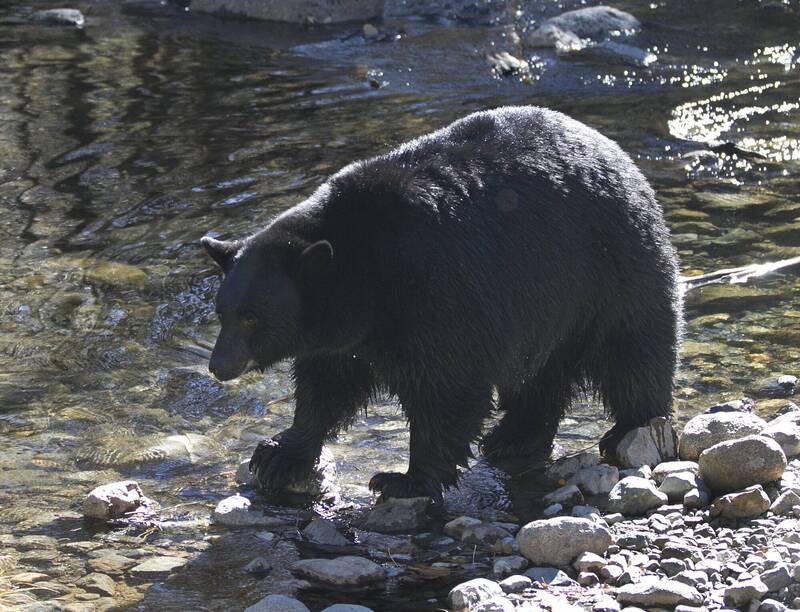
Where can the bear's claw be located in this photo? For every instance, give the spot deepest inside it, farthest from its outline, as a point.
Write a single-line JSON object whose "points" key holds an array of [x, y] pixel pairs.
{"points": [[276, 465], [395, 484]]}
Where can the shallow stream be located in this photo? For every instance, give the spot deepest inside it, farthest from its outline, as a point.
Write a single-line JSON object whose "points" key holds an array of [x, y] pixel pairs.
{"points": [[123, 143]]}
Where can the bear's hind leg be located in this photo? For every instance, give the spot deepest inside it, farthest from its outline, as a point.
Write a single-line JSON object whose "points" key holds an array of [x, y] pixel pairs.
{"points": [[328, 392], [532, 414], [634, 370], [443, 425]]}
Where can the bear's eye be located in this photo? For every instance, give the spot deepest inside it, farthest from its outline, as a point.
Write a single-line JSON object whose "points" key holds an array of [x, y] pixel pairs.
{"points": [[249, 319]]}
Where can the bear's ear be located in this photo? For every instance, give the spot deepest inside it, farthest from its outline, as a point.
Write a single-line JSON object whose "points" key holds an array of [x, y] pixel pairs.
{"points": [[221, 251], [316, 257]]}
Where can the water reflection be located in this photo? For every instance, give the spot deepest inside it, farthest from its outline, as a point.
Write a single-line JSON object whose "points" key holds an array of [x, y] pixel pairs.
{"points": [[121, 145]]}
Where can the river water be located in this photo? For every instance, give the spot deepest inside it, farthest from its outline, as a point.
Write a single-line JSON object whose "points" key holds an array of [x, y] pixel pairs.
{"points": [[123, 143]]}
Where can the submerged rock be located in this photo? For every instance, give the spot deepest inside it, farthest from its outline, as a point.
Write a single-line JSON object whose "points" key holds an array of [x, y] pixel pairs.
{"points": [[278, 603], [505, 64], [736, 464], [557, 541], [323, 531], [60, 16], [706, 430], [157, 567], [776, 386], [398, 515], [297, 11], [340, 571]]}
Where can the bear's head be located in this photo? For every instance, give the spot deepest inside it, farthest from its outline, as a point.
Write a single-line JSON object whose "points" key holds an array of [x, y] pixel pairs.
{"points": [[260, 302]]}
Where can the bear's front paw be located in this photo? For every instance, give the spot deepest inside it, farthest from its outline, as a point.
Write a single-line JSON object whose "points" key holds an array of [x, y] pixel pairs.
{"points": [[395, 484], [275, 464]]}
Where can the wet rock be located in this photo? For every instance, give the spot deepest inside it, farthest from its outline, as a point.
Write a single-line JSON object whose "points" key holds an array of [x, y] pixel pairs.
{"points": [[98, 583], [776, 386], [504, 566], [744, 504], [550, 36], [633, 496], [59, 17], [562, 469], [468, 594], [618, 53], [346, 608], [557, 541], [111, 564], [505, 64], [677, 484], [589, 512], [744, 404], [486, 534], [785, 430], [736, 464], [654, 593], [379, 543], [369, 31], [785, 502], [649, 445], [597, 22], [662, 470], [298, 11], [158, 567], [278, 603], [323, 531], [550, 576], [567, 496], [398, 515], [706, 430], [340, 571], [741, 593], [113, 500], [235, 511], [259, 567], [456, 527], [515, 584], [552, 510], [595, 480]]}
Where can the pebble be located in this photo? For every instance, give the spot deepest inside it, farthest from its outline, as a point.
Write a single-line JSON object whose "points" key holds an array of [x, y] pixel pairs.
{"points": [[505, 64], [369, 31], [735, 464], [706, 430], [468, 594], [633, 495], [552, 510], [776, 386], [259, 567], [278, 603], [346, 570], [557, 541], [323, 531]]}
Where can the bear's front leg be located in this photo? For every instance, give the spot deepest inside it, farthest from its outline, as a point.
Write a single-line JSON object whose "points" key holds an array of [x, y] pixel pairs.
{"points": [[443, 425], [328, 391]]}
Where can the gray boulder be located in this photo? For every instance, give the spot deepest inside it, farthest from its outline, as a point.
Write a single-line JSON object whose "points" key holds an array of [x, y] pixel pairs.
{"points": [[706, 430], [785, 430], [294, 11], [740, 594], [785, 502], [736, 464], [468, 594], [596, 23], [649, 445], [749, 503], [677, 484], [557, 541], [323, 531], [662, 470], [652, 592], [595, 480], [398, 515], [561, 469]]}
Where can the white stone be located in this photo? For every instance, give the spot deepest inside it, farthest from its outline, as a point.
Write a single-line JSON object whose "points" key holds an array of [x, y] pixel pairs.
{"points": [[560, 470], [706, 430], [346, 608], [785, 430], [677, 484], [113, 500], [557, 541], [456, 527], [652, 592], [649, 445], [157, 567], [633, 496], [509, 565], [515, 584], [568, 496], [468, 594], [235, 511], [785, 502], [662, 470], [595, 480]]}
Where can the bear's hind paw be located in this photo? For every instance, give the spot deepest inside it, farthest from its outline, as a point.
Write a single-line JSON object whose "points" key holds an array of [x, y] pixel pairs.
{"points": [[395, 484]]}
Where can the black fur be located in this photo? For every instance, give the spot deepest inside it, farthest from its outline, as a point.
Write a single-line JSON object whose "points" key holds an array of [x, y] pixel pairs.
{"points": [[516, 250]]}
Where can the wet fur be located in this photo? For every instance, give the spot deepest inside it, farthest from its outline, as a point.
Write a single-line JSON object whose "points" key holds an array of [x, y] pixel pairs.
{"points": [[515, 250]]}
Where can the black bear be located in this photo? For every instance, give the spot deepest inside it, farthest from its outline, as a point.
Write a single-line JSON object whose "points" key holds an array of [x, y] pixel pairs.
{"points": [[515, 250]]}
